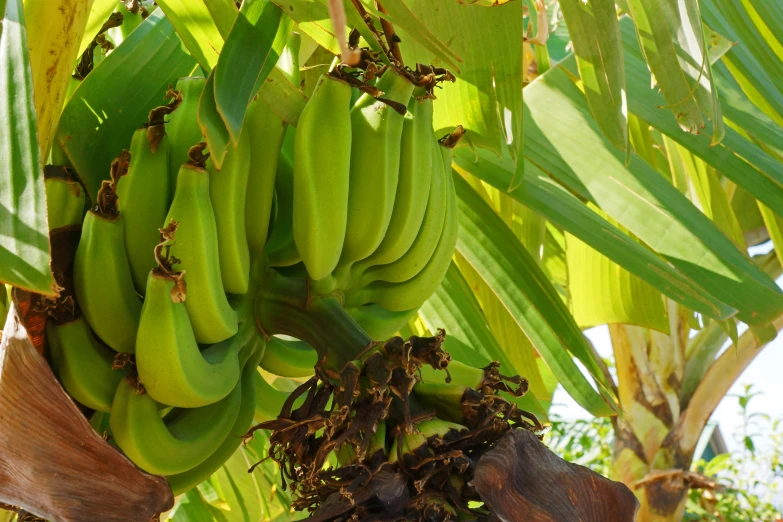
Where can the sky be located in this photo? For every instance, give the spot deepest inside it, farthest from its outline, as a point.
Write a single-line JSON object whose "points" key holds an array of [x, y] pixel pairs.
{"points": [[765, 373]]}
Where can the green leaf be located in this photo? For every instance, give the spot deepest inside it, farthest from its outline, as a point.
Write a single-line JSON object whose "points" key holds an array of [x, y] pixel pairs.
{"points": [[240, 490], [486, 97], [700, 354], [312, 17], [774, 225], [223, 13], [404, 17], [469, 339], [251, 52], [512, 340], [765, 181], [24, 253], [571, 149], [595, 36], [192, 507], [672, 38], [496, 254], [540, 193], [707, 192], [99, 13], [115, 99], [604, 293], [755, 63], [193, 22], [285, 99]]}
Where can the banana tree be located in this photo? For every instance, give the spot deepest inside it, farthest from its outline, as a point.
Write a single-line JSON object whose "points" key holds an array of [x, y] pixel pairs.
{"points": [[584, 196]]}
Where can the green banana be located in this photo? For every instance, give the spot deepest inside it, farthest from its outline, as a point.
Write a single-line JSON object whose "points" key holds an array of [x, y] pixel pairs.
{"points": [[182, 482], [266, 130], [375, 164], [289, 358], [101, 274], [412, 293], [181, 440], [280, 247], [228, 190], [322, 156], [416, 443], [379, 323], [434, 392], [196, 247], [64, 197], [420, 252], [144, 201], [82, 364], [413, 188], [170, 365], [182, 127]]}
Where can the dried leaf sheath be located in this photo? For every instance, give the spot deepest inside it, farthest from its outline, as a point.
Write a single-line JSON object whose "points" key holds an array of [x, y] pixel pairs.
{"points": [[51, 455]]}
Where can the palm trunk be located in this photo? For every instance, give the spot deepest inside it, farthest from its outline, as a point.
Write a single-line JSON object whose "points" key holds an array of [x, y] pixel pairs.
{"points": [[657, 433]]}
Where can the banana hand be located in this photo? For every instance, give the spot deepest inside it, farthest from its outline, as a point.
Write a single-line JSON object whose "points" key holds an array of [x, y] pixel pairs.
{"points": [[375, 164], [144, 197], [101, 274], [322, 156], [228, 190], [171, 367], [196, 247], [82, 364], [182, 128], [182, 482], [289, 358], [180, 441]]}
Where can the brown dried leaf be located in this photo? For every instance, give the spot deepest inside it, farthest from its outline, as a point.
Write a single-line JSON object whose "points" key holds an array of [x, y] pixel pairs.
{"points": [[520, 479], [54, 464]]}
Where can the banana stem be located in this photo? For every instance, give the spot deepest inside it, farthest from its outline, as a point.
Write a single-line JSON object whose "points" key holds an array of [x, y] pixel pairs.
{"points": [[284, 306]]}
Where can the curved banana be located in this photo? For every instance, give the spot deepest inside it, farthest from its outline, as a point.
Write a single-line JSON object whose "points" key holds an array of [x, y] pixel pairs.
{"points": [[170, 365], [380, 323], [101, 274], [412, 293], [322, 156], [289, 358], [420, 252], [375, 164], [64, 197], [182, 482], [144, 201], [228, 190], [82, 364], [413, 187], [269, 400], [280, 247], [180, 441], [266, 131], [182, 127], [196, 247]]}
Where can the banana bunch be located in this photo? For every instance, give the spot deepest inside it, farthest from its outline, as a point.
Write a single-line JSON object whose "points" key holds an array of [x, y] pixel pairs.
{"points": [[159, 330], [366, 204]]}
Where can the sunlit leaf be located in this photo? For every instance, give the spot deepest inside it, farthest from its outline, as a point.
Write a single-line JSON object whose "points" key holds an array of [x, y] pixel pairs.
{"points": [[469, 339], [571, 149], [595, 36], [672, 38], [193, 22], [251, 52], [493, 250], [24, 249], [54, 31], [542, 194], [115, 99]]}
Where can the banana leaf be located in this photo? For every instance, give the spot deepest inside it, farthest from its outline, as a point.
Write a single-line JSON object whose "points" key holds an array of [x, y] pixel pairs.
{"points": [[25, 253]]}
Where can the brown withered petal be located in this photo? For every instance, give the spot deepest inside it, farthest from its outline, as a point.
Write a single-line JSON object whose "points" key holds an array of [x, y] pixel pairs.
{"points": [[520, 479]]}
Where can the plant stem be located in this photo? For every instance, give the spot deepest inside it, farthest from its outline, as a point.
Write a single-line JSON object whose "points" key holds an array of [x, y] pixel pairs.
{"points": [[284, 306]]}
